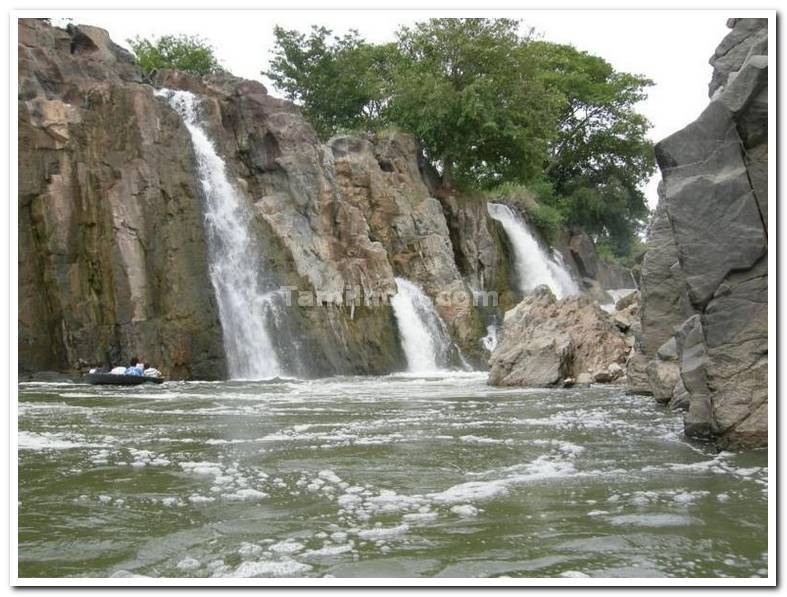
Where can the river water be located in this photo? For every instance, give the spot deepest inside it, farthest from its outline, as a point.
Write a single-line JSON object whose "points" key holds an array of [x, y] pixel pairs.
{"points": [[376, 477]]}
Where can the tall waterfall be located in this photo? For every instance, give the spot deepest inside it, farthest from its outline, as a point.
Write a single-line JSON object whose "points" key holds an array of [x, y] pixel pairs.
{"points": [[534, 266], [247, 301], [425, 339]]}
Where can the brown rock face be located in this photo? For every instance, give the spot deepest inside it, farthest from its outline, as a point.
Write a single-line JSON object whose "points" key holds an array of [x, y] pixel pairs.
{"points": [[704, 277], [111, 249], [544, 341]]}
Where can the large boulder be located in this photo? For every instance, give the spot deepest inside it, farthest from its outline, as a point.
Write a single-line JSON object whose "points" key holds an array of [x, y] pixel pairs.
{"points": [[545, 341]]}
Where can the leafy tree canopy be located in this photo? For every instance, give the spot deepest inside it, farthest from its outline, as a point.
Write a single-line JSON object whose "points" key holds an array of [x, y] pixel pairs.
{"points": [[491, 106], [182, 52]]}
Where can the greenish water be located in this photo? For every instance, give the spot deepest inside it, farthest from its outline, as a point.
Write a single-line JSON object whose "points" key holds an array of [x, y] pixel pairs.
{"points": [[376, 477]]}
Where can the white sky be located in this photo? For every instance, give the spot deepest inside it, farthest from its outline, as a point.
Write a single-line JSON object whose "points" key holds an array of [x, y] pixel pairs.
{"points": [[670, 47]]}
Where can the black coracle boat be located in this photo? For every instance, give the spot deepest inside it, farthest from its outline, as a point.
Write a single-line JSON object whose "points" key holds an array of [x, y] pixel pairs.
{"points": [[119, 380]]}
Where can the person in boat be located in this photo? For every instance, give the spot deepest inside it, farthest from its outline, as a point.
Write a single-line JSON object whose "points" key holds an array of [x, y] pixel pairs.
{"points": [[136, 368], [151, 371]]}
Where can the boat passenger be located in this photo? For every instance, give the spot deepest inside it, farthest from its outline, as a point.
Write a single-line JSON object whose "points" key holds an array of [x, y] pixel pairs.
{"points": [[151, 371], [136, 368]]}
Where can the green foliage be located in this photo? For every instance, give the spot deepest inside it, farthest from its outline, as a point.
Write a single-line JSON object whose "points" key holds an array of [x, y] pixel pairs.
{"points": [[181, 52], [467, 89], [339, 81], [601, 156], [490, 106]]}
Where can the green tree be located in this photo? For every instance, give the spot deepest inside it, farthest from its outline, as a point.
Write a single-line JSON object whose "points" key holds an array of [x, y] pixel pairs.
{"points": [[601, 157], [490, 106], [181, 52], [467, 89], [338, 81]]}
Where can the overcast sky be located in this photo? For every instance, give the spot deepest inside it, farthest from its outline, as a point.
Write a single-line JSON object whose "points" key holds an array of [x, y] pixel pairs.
{"points": [[670, 47]]}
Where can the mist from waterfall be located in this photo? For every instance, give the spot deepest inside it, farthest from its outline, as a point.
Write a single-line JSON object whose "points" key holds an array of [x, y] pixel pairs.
{"points": [[534, 266], [425, 340], [248, 301]]}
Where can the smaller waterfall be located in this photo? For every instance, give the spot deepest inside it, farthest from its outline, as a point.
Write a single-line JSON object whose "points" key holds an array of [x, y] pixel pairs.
{"points": [[533, 265], [425, 339]]}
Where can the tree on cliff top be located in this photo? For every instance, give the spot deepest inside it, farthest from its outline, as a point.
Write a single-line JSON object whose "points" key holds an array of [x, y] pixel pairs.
{"points": [[181, 52], [463, 86], [491, 106]]}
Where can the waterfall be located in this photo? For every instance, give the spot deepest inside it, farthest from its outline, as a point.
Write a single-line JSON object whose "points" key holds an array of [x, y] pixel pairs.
{"points": [[489, 342], [249, 304], [425, 339], [534, 266]]}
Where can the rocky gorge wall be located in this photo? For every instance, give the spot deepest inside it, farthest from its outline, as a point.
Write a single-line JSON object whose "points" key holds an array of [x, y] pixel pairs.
{"points": [[704, 281], [113, 257], [112, 248]]}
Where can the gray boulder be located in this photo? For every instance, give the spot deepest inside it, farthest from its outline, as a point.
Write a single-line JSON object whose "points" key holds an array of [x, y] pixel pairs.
{"points": [[544, 341]]}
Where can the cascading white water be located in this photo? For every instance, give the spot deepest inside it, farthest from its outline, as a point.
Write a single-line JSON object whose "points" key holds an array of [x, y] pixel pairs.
{"points": [[246, 307], [489, 342], [425, 339], [534, 266]]}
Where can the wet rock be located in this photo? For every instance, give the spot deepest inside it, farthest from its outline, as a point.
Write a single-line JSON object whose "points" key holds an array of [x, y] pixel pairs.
{"points": [[584, 379], [637, 375], [668, 351], [615, 371], [602, 377], [628, 300], [680, 396], [662, 376]]}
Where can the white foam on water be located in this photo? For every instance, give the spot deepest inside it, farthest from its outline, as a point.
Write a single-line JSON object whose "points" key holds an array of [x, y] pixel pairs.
{"points": [[574, 574], [288, 546], [188, 564], [465, 510], [249, 549], [654, 520], [327, 551], [378, 533], [420, 517], [534, 266], [247, 494], [29, 440], [202, 468], [269, 568], [475, 439]]}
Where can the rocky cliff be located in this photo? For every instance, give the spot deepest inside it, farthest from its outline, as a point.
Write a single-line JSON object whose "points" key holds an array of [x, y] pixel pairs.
{"points": [[113, 254], [704, 342], [111, 246], [112, 250]]}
